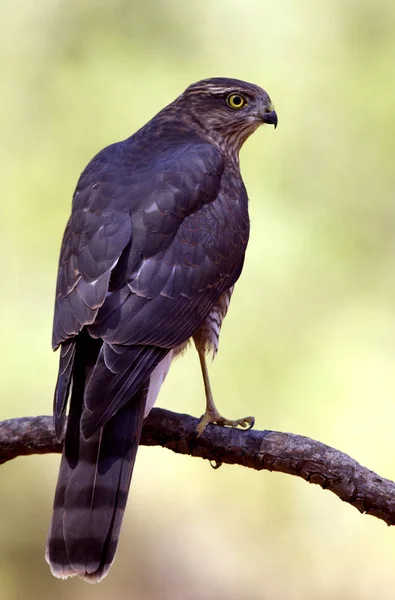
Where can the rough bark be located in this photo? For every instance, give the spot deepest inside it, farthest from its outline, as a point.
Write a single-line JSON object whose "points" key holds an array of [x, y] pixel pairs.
{"points": [[271, 450]]}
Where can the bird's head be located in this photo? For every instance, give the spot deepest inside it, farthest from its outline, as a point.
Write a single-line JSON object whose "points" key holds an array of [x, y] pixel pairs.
{"points": [[228, 110]]}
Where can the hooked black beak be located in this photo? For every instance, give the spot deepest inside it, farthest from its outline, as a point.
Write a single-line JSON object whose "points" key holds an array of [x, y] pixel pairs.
{"points": [[270, 118]]}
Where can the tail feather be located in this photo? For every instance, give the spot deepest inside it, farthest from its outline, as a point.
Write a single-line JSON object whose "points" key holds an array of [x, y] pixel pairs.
{"points": [[91, 497], [66, 363], [94, 478]]}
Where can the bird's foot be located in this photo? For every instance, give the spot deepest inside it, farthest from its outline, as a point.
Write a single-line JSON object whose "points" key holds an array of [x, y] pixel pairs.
{"points": [[213, 416]]}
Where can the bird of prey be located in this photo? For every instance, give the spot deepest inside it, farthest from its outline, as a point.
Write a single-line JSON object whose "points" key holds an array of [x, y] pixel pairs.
{"points": [[149, 259]]}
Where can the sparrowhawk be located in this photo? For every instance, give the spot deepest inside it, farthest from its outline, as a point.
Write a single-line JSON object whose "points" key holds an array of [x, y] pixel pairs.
{"points": [[150, 256]]}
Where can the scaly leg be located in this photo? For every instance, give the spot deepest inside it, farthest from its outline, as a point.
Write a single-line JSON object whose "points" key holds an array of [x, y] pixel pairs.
{"points": [[212, 415]]}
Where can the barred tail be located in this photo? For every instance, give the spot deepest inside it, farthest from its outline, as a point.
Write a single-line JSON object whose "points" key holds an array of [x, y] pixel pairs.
{"points": [[95, 471], [91, 495]]}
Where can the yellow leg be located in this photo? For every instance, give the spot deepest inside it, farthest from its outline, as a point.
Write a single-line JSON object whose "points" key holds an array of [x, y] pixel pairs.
{"points": [[212, 415]]}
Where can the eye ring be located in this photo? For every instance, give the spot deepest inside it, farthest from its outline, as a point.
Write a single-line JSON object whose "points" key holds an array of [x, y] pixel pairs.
{"points": [[236, 101]]}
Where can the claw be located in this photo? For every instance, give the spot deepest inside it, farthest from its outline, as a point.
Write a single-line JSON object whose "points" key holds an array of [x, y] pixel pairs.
{"points": [[215, 464], [246, 423]]}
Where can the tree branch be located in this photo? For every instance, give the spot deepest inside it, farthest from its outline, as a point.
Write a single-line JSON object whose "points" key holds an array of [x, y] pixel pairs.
{"points": [[271, 450]]}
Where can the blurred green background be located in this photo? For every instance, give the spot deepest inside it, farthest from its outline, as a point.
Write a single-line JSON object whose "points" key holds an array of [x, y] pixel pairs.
{"points": [[309, 343]]}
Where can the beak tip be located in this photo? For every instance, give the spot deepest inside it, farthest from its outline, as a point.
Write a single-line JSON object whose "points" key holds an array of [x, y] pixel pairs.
{"points": [[271, 118]]}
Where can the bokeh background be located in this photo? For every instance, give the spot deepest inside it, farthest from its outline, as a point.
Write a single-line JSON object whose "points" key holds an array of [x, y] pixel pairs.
{"points": [[309, 343]]}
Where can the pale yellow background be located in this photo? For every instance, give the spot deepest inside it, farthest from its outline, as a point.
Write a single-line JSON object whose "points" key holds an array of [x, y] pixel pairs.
{"points": [[309, 342]]}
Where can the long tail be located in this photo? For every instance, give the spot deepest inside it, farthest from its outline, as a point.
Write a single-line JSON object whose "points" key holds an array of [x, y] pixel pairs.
{"points": [[93, 485]]}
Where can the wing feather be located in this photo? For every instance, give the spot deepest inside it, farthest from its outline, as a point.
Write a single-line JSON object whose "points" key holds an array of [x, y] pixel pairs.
{"points": [[92, 245]]}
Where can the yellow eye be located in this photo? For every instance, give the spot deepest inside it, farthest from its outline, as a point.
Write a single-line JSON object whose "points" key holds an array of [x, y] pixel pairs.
{"points": [[236, 101]]}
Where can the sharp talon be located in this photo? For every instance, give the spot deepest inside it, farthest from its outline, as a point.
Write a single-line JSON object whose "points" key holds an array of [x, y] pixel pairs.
{"points": [[250, 422], [215, 464], [247, 423]]}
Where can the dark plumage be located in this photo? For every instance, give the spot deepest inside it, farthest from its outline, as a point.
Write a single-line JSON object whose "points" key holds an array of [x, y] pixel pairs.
{"points": [[150, 255]]}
